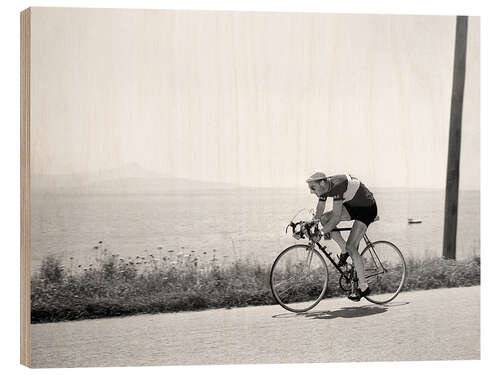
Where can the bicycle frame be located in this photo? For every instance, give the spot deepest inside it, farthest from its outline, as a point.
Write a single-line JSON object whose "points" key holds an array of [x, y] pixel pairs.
{"points": [[368, 243], [374, 266]]}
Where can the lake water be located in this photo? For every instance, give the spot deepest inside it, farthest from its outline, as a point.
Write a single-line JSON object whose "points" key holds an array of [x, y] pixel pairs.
{"points": [[242, 223]]}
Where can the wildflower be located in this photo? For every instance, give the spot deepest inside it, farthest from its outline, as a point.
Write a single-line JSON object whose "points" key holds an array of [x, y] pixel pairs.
{"points": [[100, 242], [159, 247], [96, 247]]}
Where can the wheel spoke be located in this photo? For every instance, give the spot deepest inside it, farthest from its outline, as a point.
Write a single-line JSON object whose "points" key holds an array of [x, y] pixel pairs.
{"points": [[295, 278], [375, 274], [299, 274], [385, 270]]}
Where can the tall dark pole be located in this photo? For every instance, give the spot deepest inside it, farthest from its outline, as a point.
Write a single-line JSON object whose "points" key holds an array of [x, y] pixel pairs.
{"points": [[453, 170]]}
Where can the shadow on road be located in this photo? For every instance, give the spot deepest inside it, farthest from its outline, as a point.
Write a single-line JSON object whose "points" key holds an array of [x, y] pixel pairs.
{"points": [[345, 312], [395, 304]]}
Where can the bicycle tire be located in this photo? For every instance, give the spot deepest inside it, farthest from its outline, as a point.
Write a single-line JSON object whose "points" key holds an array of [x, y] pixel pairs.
{"points": [[383, 291], [297, 303]]}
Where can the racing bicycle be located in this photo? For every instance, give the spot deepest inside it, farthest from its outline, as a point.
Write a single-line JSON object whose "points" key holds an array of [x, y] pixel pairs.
{"points": [[299, 275]]}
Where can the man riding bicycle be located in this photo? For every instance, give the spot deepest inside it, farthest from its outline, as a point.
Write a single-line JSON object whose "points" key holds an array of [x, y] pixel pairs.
{"points": [[351, 201]]}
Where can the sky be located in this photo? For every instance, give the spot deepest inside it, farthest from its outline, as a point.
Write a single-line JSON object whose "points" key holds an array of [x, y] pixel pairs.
{"points": [[257, 99]]}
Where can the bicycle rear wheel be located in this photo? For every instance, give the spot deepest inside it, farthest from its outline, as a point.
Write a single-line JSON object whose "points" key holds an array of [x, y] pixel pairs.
{"points": [[299, 278], [385, 271]]}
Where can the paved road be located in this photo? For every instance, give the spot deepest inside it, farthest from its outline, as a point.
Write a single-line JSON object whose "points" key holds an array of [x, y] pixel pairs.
{"points": [[440, 324]]}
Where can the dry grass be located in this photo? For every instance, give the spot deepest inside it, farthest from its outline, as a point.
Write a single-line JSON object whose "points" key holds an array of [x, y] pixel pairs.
{"points": [[114, 286]]}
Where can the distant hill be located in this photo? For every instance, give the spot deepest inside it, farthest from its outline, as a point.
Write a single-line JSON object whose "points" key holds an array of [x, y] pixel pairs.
{"points": [[131, 179]]}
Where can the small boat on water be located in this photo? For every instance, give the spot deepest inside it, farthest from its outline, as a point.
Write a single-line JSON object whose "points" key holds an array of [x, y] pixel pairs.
{"points": [[414, 221]]}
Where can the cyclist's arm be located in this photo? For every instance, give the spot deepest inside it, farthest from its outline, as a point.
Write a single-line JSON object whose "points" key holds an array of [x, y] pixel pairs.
{"points": [[335, 218], [320, 208]]}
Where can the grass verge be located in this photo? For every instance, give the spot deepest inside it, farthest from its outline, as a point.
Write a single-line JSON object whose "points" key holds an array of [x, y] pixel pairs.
{"points": [[119, 287]]}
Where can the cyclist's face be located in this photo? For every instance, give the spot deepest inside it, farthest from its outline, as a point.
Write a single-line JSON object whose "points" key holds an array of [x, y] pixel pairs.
{"points": [[315, 188]]}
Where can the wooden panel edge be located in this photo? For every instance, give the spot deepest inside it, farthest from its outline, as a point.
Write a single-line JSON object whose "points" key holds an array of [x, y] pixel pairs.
{"points": [[25, 69]]}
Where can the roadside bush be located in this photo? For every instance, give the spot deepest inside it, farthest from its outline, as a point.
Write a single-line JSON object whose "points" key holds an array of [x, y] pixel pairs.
{"points": [[52, 270], [113, 286]]}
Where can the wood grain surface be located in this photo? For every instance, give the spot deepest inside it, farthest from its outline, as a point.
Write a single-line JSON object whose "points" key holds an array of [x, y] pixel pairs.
{"points": [[25, 185]]}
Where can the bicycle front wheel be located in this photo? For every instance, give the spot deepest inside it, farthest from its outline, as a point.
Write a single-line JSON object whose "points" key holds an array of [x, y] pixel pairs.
{"points": [[385, 271], [299, 278]]}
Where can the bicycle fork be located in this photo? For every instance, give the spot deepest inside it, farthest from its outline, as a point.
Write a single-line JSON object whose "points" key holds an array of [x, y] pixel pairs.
{"points": [[309, 256]]}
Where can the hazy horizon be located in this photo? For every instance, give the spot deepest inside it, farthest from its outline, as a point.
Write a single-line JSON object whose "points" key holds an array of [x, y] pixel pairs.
{"points": [[134, 172], [252, 99]]}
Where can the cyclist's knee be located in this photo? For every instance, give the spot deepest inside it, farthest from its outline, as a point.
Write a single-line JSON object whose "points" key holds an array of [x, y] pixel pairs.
{"points": [[325, 218]]}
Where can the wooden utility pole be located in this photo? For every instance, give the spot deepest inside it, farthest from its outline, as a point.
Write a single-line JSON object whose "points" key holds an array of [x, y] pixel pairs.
{"points": [[453, 170]]}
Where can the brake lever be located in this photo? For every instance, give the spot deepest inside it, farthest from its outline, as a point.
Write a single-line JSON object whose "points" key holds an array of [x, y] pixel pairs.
{"points": [[292, 224]]}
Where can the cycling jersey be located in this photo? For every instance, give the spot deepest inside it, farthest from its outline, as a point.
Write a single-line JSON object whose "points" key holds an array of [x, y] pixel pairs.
{"points": [[349, 190]]}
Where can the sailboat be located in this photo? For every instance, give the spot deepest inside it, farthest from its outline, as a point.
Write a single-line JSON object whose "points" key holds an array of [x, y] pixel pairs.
{"points": [[414, 221]]}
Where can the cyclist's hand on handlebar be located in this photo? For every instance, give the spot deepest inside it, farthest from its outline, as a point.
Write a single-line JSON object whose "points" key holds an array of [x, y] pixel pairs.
{"points": [[327, 235], [316, 236]]}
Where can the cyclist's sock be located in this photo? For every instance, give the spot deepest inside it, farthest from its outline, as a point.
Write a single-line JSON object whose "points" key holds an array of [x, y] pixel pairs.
{"points": [[363, 287]]}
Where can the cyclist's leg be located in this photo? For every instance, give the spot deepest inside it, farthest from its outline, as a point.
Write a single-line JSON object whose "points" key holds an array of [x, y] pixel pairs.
{"points": [[337, 236], [357, 232]]}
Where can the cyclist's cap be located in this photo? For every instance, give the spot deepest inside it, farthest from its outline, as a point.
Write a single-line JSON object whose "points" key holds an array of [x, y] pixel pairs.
{"points": [[318, 176]]}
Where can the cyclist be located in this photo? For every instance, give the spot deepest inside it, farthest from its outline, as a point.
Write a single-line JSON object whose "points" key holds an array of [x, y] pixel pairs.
{"points": [[351, 201]]}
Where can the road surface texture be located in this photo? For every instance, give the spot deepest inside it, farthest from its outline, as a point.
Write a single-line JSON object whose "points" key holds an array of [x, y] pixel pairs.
{"points": [[439, 324]]}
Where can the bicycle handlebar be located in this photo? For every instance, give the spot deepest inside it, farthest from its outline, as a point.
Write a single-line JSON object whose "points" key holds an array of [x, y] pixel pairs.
{"points": [[305, 229], [309, 228]]}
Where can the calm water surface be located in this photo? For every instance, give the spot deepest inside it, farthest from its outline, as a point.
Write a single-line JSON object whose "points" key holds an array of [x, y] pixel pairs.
{"points": [[245, 223]]}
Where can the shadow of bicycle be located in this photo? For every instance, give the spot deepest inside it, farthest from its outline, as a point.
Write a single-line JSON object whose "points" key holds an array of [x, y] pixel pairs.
{"points": [[344, 312]]}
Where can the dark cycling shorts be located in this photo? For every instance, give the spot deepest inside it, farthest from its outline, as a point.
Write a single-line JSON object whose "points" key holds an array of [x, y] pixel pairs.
{"points": [[366, 215]]}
